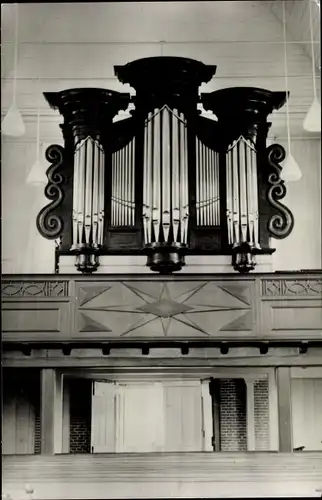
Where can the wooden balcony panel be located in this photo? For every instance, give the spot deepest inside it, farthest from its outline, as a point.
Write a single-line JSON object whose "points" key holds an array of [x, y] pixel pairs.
{"points": [[207, 309], [209, 475]]}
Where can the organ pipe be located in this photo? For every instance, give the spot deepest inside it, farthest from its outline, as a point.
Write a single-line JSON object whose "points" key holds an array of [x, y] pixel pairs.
{"points": [[241, 194], [175, 179], [207, 186], [123, 188], [165, 173], [165, 178], [88, 194]]}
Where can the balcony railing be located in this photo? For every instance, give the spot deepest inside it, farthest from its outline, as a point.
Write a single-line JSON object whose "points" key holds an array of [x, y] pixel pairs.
{"points": [[130, 310]]}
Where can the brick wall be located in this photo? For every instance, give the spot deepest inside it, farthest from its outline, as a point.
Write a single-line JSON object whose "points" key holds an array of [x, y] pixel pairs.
{"points": [[80, 416], [261, 414], [37, 433], [233, 415]]}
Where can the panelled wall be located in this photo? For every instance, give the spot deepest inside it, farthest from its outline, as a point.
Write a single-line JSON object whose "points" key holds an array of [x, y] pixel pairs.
{"points": [[243, 38], [97, 419]]}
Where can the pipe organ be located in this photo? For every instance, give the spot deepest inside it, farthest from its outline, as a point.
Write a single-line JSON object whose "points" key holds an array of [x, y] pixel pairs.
{"points": [[165, 181]]}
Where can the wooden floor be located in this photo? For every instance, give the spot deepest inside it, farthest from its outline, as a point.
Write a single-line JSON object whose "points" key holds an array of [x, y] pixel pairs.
{"points": [[182, 475]]}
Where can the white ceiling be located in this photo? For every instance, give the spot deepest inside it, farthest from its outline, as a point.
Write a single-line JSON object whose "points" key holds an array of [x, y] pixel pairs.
{"points": [[77, 44]]}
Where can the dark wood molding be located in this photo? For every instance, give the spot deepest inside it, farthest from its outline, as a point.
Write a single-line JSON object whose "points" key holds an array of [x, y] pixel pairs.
{"points": [[47, 412]]}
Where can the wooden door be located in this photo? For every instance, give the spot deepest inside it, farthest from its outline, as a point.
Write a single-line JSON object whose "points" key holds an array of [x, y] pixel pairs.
{"points": [[103, 434], [136, 417], [184, 422], [140, 417], [307, 413]]}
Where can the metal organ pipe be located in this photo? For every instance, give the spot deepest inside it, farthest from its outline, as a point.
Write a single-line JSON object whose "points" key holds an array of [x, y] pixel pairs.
{"points": [[156, 177], [211, 188], [113, 204], [202, 187], [242, 191], [242, 194], [216, 189], [229, 198], [88, 194], [207, 186], [123, 178], [184, 178], [165, 173], [126, 185], [236, 207], [255, 198], [197, 181], [165, 178], [133, 182], [250, 195], [175, 178], [95, 195], [121, 195], [148, 179], [76, 190]]}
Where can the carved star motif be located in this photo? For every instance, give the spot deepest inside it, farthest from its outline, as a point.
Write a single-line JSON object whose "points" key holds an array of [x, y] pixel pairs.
{"points": [[165, 308]]}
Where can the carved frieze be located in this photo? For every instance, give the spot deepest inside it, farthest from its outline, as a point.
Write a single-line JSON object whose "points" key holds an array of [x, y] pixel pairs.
{"points": [[35, 289], [292, 287]]}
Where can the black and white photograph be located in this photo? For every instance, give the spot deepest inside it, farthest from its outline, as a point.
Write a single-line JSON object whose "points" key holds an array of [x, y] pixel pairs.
{"points": [[161, 250]]}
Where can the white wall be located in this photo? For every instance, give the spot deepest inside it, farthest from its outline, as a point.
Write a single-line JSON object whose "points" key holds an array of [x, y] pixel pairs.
{"points": [[302, 249], [243, 38]]}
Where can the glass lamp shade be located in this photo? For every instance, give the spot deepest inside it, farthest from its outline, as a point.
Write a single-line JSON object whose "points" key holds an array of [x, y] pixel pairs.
{"points": [[291, 172], [37, 174], [312, 121], [12, 123]]}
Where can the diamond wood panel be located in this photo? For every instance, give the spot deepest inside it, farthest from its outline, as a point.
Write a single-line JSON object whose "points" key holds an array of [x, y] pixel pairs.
{"points": [[154, 309]]}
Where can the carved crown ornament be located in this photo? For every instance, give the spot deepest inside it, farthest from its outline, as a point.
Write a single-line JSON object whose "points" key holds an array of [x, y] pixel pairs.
{"points": [[165, 181]]}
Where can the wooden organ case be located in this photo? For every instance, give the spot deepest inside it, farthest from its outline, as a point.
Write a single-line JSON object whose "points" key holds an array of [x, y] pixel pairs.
{"points": [[166, 181]]}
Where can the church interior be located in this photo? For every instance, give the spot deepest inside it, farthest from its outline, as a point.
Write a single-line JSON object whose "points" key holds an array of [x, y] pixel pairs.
{"points": [[161, 250]]}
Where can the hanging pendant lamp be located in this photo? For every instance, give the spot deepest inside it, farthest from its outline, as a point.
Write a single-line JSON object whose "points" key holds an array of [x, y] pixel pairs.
{"points": [[12, 123], [312, 121], [291, 172], [37, 174]]}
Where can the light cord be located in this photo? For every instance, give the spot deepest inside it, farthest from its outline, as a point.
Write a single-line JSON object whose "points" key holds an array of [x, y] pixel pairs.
{"points": [[15, 67], [38, 119], [286, 83], [312, 49]]}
